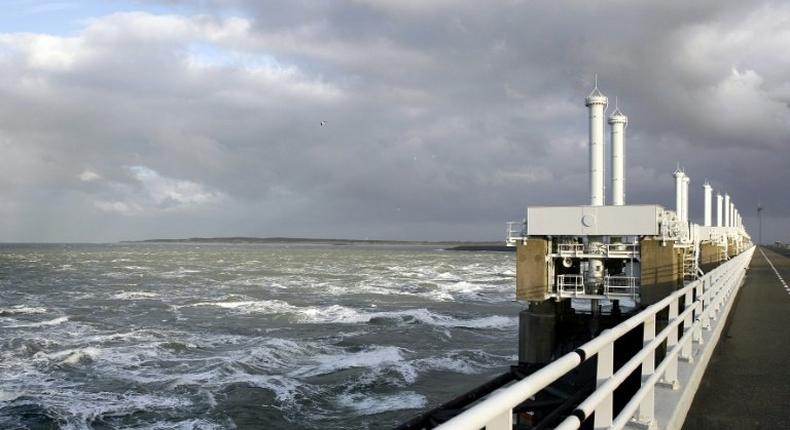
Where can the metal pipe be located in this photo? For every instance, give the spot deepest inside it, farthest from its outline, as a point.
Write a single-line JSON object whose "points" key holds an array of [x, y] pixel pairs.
{"points": [[719, 201], [618, 123], [708, 197], [597, 103]]}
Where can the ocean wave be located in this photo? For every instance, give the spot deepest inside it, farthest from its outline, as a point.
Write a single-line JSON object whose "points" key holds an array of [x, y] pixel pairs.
{"points": [[338, 314], [372, 357], [52, 322], [79, 409], [346, 315], [467, 362], [190, 424], [21, 309], [70, 357], [375, 404], [7, 396], [132, 295]]}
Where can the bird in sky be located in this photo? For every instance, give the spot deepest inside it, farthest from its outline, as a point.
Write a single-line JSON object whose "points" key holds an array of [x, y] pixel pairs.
{"points": [[323, 123]]}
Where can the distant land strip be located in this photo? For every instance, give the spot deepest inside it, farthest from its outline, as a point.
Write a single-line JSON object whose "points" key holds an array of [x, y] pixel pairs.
{"points": [[446, 245]]}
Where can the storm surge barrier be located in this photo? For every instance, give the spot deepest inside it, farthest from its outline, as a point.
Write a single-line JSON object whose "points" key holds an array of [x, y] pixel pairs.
{"points": [[691, 320]]}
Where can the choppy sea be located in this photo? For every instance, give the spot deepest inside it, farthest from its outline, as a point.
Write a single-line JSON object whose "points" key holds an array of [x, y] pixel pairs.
{"points": [[238, 336]]}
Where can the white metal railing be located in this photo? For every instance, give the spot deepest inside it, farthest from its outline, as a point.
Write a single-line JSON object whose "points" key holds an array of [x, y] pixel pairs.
{"points": [[515, 231], [707, 299], [614, 250], [621, 286], [570, 249], [570, 285], [622, 249]]}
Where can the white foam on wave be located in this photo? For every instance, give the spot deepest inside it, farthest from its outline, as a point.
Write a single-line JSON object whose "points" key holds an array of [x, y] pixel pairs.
{"points": [[376, 404], [180, 273], [338, 314], [70, 357], [190, 424], [250, 306], [22, 309], [136, 267], [377, 358], [466, 362], [342, 314], [79, 409], [451, 363], [52, 322], [132, 295], [7, 396]]}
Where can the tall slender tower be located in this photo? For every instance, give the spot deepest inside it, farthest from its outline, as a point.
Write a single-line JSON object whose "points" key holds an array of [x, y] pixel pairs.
{"points": [[719, 204], [686, 181], [708, 203], [732, 213], [726, 210], [618, 123], [679, 192], [597, 103]]}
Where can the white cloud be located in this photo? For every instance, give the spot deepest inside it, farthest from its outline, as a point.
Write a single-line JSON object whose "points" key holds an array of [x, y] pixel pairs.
{"points": [[168, 192], [154, 193], [89, 176]]}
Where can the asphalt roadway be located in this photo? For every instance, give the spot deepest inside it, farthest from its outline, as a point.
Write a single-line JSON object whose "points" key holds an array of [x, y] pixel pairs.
{"points": [[747, 382]]}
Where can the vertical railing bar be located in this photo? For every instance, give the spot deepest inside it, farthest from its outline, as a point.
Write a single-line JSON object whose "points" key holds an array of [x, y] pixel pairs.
{"points": [[604, 371], [671, 375], [647, 406]]}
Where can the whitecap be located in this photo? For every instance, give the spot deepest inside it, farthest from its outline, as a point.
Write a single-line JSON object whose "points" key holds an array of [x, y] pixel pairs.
{"points": [[377, 358], [132, 295], [52, 322], [376, 404], [22, 309], [248, 306], [7, 396], [80, 356]]}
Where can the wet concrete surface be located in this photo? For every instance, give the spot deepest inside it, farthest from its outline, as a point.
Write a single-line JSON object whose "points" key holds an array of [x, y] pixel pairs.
{"points": [[747, 382]]}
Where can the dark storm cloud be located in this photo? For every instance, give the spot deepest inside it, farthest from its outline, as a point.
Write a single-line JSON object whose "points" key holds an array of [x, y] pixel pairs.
{"points": [[444, 119]]}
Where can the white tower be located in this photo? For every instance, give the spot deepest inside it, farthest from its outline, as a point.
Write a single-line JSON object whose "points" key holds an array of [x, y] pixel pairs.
{"points": [[679, 193], [597, 103], [719, 202], [708, 203], [726, 210], [618, 123], [732, 214], [686, 181]]}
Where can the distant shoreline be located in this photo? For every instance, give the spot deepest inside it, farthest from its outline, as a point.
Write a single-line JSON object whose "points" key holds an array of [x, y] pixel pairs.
{"points": [[446, 245]]}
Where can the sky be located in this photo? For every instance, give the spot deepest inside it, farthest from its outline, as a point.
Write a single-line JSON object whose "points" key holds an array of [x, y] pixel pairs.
{"points": [[127, 120]]}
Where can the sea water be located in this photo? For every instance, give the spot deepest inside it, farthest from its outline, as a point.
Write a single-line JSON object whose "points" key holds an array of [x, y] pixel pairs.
{"points": [[214, 336]]}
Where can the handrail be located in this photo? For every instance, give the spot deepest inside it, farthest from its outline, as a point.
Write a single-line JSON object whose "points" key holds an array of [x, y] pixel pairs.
{"points": [[496, 411], [515, 231]]}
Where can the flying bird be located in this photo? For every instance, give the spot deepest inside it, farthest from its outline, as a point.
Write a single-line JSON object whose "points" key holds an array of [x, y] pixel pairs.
{"points": [[323, 123]]}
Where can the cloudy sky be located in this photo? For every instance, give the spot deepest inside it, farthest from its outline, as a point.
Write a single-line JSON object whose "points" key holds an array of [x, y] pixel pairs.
{"points": [[444, 119]]}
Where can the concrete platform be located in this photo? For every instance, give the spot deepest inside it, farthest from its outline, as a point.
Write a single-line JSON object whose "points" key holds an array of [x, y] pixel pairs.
{"points": [[747, 383]]}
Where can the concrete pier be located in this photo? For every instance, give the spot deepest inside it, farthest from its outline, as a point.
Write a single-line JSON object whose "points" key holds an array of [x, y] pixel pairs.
{"points": [[747, 382]]}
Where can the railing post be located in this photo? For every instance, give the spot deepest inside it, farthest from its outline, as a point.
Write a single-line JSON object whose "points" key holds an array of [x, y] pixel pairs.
{"points": [[671, 374], [501, 422], [646, 413], [604, 371], [706, 304], [688, 324]]}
